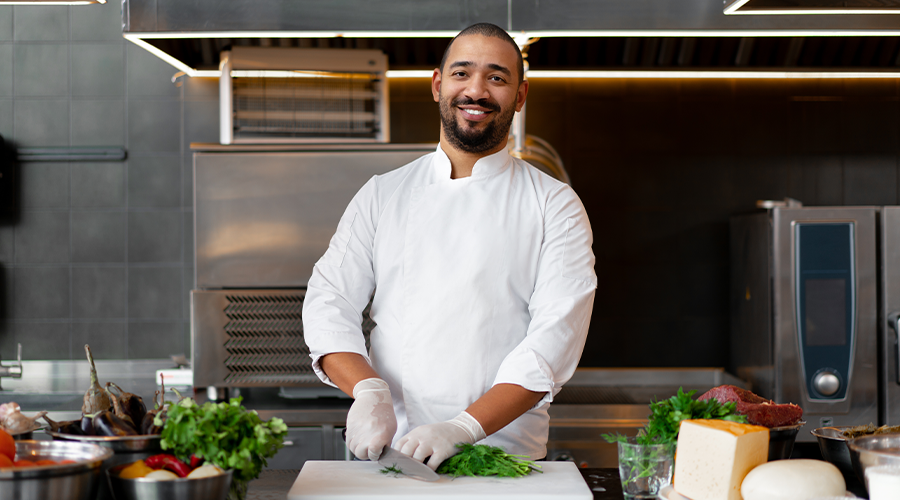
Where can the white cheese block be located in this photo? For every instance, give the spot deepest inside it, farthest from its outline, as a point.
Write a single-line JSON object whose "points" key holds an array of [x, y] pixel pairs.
{"points": [[799, 479], [713, 456]]}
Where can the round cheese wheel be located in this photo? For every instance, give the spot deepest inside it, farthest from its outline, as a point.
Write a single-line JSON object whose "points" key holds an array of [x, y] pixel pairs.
{"points": [[800, 479]]}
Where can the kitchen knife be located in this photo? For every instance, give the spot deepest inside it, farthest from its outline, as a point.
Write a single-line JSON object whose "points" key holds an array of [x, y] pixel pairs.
{"points": [[408, 465]]}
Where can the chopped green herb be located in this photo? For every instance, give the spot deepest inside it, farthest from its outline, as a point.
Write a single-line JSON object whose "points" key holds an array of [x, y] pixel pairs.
{"points": [[392, 470], [484, 460]]}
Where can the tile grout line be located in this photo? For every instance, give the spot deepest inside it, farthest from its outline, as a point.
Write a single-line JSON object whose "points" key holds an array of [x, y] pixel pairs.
{"points": [[125, 165], [69, 170]]}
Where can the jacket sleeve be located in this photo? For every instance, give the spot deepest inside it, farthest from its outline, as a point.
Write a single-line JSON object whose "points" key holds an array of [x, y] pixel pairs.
{"points": [[561, 303], [342, 283]]}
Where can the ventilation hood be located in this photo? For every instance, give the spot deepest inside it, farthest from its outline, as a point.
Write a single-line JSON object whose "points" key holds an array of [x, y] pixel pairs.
{"points": [[633, 36]]}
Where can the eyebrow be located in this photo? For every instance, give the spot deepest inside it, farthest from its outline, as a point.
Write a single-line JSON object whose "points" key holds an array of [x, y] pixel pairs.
{"points": [[493, 66]]}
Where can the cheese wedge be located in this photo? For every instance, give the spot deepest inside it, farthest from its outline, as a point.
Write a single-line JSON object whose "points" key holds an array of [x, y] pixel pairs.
{"points": [[713, 456]]}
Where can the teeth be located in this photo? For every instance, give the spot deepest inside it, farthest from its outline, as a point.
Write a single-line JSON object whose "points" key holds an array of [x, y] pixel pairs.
{"points": [[474, 112]]}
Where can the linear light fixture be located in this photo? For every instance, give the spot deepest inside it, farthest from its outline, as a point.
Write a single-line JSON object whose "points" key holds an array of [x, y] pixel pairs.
{"points": [[808, 7], [140, 40]]}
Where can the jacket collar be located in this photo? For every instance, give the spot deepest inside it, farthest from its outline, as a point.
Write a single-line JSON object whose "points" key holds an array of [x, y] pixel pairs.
{"points": [[484, 167]]}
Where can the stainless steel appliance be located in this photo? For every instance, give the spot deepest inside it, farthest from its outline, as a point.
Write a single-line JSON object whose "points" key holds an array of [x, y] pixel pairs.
{"points": [[263, 216], [813, 291]]}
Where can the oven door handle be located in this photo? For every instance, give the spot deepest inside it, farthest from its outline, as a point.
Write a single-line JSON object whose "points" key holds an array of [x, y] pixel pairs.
{"points": [[894, 321]]}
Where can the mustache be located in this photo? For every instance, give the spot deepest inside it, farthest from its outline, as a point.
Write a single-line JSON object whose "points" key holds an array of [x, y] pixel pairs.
{"points": [[468, 101]]}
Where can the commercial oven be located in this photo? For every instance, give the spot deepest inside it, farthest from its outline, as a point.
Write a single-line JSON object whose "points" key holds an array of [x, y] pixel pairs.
{"points": [[815, 293]]}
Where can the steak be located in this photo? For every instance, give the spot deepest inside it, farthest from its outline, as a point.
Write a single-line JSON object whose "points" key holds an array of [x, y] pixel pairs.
{"points": [[758, 410]]}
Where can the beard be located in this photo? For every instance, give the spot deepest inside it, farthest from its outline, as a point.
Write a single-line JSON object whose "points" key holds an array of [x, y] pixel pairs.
{"points": [[476, 141]]}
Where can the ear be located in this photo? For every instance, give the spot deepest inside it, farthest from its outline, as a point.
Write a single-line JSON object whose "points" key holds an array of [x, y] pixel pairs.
{"points": [[521, 94], [436, 84]]}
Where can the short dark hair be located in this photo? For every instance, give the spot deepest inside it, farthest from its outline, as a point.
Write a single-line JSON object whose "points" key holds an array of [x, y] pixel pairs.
{"points": [[490, 30]]}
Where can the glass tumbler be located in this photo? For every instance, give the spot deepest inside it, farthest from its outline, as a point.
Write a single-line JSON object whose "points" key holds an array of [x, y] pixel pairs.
{"points": [[645, 469]]}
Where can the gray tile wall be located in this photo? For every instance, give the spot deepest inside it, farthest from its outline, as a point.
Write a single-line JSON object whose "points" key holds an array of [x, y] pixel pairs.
{"points": [[101, 251]]}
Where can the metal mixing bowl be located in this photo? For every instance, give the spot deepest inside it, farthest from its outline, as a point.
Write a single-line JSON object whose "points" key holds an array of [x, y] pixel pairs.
{"points": [[78, 481], [869, 451], [201, 488], [833, 446], [126, 449]]}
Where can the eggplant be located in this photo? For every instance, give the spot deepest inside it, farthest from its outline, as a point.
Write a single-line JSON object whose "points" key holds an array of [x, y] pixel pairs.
{"points": [[106, 423], [119, 412], [96, 398], [132, 404], [147, 425], [87, 425], [67, 427]]}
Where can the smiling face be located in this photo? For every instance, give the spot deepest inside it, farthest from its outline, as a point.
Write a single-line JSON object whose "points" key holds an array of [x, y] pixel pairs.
{"points": [[479, 93]]}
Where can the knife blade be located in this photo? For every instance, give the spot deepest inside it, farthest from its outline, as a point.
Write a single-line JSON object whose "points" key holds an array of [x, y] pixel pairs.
{"points": [[407, 464]]}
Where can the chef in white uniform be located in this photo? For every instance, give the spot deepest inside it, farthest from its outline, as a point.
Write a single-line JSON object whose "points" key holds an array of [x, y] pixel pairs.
{"points": [[482, 273]]}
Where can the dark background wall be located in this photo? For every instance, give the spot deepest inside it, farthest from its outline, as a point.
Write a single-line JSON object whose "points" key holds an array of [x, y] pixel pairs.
{"points": [[661, 165], [102, 252]]}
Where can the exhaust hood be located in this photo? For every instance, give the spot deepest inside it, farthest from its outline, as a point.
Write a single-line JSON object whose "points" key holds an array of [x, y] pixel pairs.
{"points": [[590, 38]]}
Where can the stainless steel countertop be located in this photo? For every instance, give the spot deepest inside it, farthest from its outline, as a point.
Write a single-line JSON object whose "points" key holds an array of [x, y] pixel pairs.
{"points": [[58, 387]]}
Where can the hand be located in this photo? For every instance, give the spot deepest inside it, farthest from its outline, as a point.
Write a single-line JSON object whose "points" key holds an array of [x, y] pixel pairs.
{"points": [[371, 423], [438, 441]]}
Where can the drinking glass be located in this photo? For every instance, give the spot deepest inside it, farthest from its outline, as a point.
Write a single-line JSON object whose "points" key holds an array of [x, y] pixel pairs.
{"points": [[645, 469]]}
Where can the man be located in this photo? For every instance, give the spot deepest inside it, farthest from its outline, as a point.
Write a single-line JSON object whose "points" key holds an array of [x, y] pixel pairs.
{"points": [[483, 280]]}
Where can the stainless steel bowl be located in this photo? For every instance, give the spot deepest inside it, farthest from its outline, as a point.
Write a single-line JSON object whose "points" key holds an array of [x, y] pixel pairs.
{"points": [[201, 488], [833, 446], [781, 441], [869, 451], [78, 481], [126, 449]]}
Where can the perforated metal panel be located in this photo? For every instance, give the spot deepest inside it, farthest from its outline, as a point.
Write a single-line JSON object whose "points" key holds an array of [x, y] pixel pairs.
{"points": [[252, 338], [328, 106]]}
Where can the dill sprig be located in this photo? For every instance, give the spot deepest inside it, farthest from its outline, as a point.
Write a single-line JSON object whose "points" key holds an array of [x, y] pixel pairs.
{"points": [[484, 460]]}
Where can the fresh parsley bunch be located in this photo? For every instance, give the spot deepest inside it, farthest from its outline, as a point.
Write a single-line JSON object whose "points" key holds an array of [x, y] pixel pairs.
{"points": [[666, 416], [484, 460], [225, 434]]}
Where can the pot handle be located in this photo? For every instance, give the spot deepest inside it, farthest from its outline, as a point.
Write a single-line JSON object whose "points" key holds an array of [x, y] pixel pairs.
{"points": [[894, 321]]}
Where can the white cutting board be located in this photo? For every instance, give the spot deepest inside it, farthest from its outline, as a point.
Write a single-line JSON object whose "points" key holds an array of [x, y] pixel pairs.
{"points": [[354, 480]]}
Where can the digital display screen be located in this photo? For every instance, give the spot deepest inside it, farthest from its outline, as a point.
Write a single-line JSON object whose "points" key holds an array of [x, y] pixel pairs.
{"points": [[826, 312]]}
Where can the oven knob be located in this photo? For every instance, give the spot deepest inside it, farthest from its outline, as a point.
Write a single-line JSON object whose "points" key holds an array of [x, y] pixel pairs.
{"points": [[826, 383]]}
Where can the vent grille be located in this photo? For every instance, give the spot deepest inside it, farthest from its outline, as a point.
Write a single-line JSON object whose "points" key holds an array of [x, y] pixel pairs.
{"points": [[331, 106], [264, 339]]}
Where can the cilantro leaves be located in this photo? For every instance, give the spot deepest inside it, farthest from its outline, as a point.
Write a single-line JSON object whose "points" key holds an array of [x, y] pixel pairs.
{"points": [[226, 434]]}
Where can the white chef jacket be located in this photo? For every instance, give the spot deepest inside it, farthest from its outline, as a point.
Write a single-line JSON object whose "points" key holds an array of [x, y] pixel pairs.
{"points": [[477, 281]]}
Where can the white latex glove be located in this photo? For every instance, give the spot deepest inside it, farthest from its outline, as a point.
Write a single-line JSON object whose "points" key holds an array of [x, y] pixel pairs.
{"points": [[438, 441], [371, 423]]}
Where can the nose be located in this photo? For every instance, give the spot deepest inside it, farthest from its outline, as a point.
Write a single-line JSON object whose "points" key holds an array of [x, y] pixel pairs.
{"points": [[477, 89]]}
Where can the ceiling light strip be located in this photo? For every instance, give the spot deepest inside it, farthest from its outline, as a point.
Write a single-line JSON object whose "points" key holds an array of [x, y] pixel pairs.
{"points": [[523, 34], [677, 74], [164, 56], [629, 74], [789, 11]]}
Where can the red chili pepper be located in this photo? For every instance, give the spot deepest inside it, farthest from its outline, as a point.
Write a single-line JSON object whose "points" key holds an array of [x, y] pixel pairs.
{"points": [[170, 462], [196, 461]]}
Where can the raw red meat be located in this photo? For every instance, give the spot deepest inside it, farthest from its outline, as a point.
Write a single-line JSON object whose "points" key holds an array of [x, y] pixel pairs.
{"points": [[759, 410]]}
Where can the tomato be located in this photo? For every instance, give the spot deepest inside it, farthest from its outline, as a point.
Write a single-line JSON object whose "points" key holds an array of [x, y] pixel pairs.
{"points": [[45, 462], [24, 463], [62, 462], [7, 445], [5, 461]]}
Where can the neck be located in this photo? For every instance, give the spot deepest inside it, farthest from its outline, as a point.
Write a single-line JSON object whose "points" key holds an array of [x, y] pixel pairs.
{"points": [[463, 162]]}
